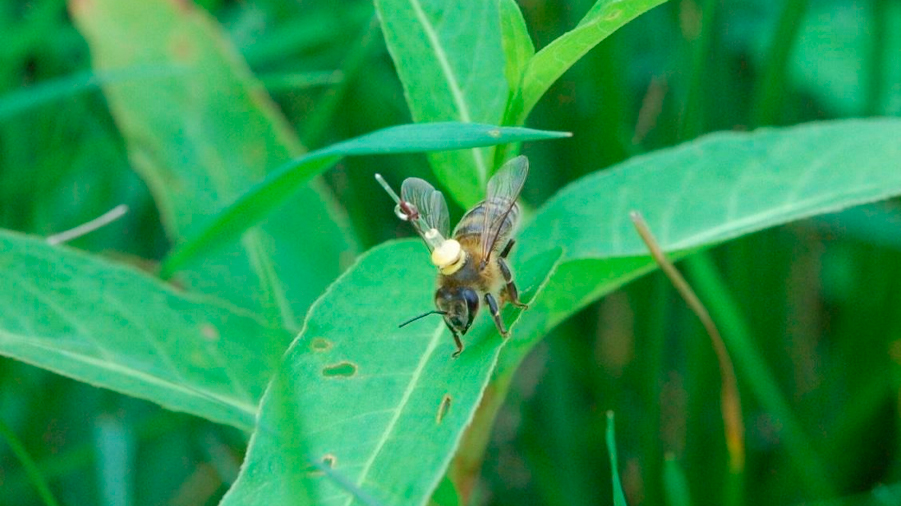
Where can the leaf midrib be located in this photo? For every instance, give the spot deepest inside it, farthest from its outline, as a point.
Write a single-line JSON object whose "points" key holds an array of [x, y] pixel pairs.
{"points": [[452, 81], [389, 429]]}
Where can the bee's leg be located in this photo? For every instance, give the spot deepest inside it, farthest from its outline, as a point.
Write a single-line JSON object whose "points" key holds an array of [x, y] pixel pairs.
{"points": [[512, 292], [507, 248], [457, 341], [495, 314]]}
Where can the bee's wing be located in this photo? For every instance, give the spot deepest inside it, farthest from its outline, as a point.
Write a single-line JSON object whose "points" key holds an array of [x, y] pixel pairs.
{"points": [[431, 206], [503, 190]]}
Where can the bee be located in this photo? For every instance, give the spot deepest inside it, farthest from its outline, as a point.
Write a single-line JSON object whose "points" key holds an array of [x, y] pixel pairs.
{"points": [[472, 264]]}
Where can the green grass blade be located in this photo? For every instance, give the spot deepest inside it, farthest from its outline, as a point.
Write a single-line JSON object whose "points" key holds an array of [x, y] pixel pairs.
{"points": [[548, 64], [203, 138], [118, 328], [619, 498], [450, 60], [44, 93], [769, 94], [270, 194], [675, 483], [758, 375], [385, 406], [31, 469]]}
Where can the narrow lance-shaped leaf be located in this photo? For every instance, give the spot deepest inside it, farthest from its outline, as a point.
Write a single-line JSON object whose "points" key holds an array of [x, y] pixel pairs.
{"points": [[377, 401], [548, 64], [271, 193], [117, 328], [200, 137], [450, 60], [518, 47]]}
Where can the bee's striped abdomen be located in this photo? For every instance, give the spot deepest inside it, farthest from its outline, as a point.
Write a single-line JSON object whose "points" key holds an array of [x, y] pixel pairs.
{"points": [[473, 222]]}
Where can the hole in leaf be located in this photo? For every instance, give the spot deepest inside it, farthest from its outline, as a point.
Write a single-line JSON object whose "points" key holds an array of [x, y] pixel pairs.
{"points": [[341, 369], [443, 407], [320, 344]]}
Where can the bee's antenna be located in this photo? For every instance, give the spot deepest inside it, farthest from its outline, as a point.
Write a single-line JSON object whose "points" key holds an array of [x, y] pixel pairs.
{"points": [[411, 320]]}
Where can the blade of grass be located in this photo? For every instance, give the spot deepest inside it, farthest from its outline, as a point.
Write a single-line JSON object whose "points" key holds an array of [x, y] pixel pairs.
{"points": [[730, 398], [619, 498], [675, 484], [28, 464], [115, 460], [876, 58], [758, 375], [548, 64], [317, 122], [699, 31], [277, 82], [51, 90], [269, 194], [770, 88]]}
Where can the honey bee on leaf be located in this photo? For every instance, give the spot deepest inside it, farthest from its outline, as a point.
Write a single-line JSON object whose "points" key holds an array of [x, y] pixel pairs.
{"points": [[472, 265]]}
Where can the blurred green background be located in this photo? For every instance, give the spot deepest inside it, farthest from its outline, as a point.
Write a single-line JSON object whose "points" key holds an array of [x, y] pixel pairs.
{"points": [[819, 297]]}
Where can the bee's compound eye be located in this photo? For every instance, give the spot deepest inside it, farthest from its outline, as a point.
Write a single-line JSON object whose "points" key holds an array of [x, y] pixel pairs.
{"points": [[472, 301]]}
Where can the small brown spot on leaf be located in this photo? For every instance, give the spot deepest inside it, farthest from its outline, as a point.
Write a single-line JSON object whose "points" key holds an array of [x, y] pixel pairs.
{"points": [[209, 332], [443, 407], [328, 460], [183, 49], [340, 370], [320, 344], [613, 15]]}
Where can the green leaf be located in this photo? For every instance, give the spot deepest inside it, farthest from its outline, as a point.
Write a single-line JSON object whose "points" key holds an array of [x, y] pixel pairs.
{"points": [[271, 193], [450, 60], [117, 328], [701, 193], [200, 138], [704, 192], [548, 64], [383, 406], [518, 47]]}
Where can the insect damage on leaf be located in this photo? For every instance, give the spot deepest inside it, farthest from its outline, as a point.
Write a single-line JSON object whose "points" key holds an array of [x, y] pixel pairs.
{"points": [[443, 408], [340, 370], [320, 344]]}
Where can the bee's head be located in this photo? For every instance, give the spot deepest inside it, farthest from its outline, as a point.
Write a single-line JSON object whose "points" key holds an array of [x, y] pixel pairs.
{"points": [[459, 306]]}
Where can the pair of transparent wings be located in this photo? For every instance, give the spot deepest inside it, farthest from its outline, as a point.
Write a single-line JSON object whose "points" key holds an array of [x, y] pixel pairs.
{"points": [[430, 209]]}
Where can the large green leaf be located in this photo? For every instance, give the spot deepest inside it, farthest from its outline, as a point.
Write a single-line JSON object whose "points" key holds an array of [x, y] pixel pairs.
{"points": [[704, 192], [548, 64], [370, 395], [701, 193], [200, 138], [271, 193], [449, 57], [384, 407], [118, 328]]}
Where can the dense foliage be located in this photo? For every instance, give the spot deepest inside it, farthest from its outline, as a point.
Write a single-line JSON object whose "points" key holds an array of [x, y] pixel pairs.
{"points": [[233, 337]]}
